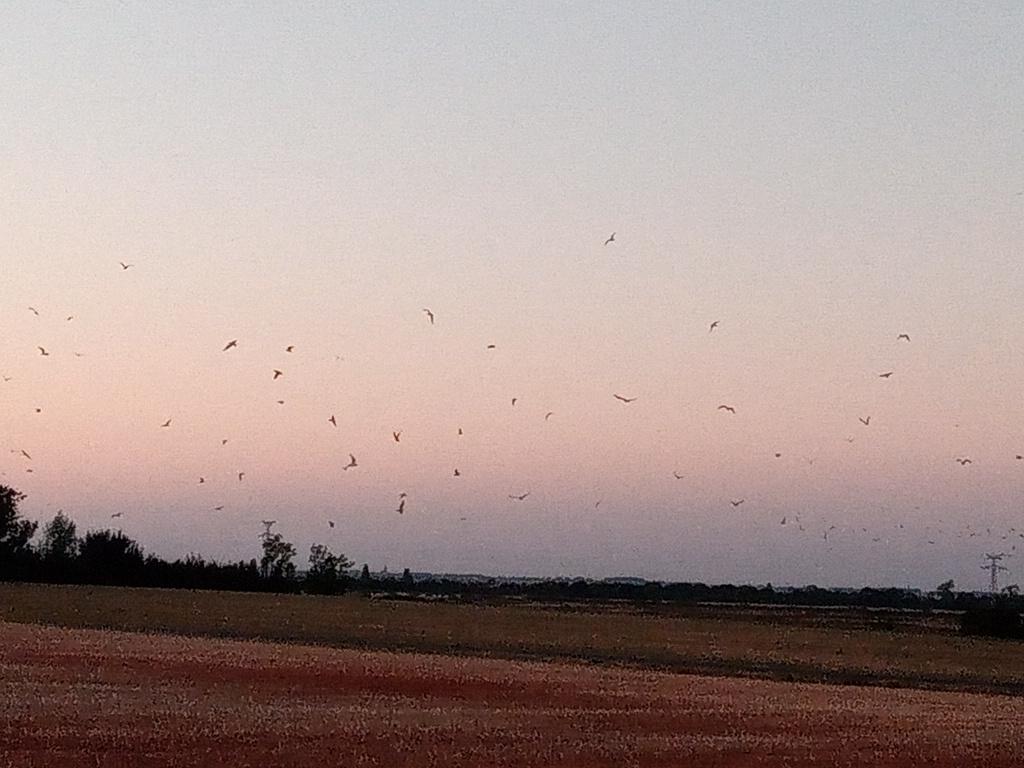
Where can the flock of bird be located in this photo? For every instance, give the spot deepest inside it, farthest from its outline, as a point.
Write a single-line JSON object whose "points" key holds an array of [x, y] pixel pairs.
{"points": [[626, 400]]}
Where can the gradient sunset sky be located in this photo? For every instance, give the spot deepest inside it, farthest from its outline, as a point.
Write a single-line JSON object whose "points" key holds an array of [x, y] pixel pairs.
{"points": [[818, 178]]}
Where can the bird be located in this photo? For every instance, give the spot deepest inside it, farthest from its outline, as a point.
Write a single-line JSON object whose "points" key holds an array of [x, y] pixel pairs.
{"points": [[125, 266], [885, 375], [202, 480], [403, 495], [330, 523], [598, 503], [548, 415], [280, 402], [460, 431], [713, 326], [903, 336], [457, 473], [290, 348], [278, 374], [611, 239], [241, 476], [39, 410], [117, 514], [230, 345], [519, 498], [783, 521], [351, 462], [224, 441], [396, 435], [69, 318], [25, 454], [737, 503], [218, 508], [677, 476], [849, 439], [401, 506], [166, 424], [1019, 457], [963, 461], [624, 399], [778, 455], [429, 314], [866, 421], [43, 352], [333, 420], [492, 346], [728, 408], [34, 311], [514, 399]]}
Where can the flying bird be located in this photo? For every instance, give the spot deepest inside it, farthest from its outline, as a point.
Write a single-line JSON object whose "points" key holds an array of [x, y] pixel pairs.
{"points": [[728, 408], [125, 266], [737, 503], [963, 461], [713, 326], [34, 311], [457, 473], [117, 514], [230, 345], [783, 521], [492, 346], [69, 318], [624, 399], [401, 506], [514, 399], [333, 420], [430, 315], [903, 336], [519, 498], [280, 402], [224, 441], [351, 462], [677, 476], [43, 352], [611, 239], [278, 374], [202, 480], [241, 476], [166, 424], [218, 508], [460, 431], [290, 348], [396, 435], [330, 523], [25, 454], [866, 421], [778, 455], [548, 415], [1018, 457], [885, 375]]}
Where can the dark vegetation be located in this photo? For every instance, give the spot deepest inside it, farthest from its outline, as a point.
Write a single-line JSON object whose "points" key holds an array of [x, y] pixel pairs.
{"points": [[111, 558]]}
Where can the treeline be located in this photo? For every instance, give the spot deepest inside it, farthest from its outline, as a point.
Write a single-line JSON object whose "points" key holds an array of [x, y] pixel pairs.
{"points": [[60, 555]]}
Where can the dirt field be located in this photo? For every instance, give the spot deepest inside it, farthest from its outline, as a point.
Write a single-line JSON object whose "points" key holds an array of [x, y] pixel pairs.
{"points": [[806, 645], [100, 698]]}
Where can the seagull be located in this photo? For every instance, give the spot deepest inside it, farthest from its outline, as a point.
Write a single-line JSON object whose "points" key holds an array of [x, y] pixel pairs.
{"points": [[166, 424], [713, 326], [677, 476], [783, 521], [548, 415], [519, 498], [514, 399], [457, 473], [69, 318], [290, 348], [330, 523], [333, 420], [460, 431], [34, 311], [866, 421], [964, 461], [43, 352], [737, 503], [125, 266], [492, 346], [885, 375], [241, 476], [351, 462], [429, 315], [218, 508], [280, 402], [278, 374], [117, 514], [224, 441], [598, 503], [230, 345], [401, 506], [903, 336], [396, 435], [728, 408], [624, 399], [778, 455], [611, 239], [202, 480], [25, 454]]}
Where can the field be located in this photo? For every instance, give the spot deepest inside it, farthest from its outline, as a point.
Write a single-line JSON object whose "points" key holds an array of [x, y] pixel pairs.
{"points": [[104, 698], [806, 645]]}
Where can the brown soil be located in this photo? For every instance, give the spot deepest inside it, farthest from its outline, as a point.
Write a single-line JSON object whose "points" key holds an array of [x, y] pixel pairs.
{"points": [[100, 698]]}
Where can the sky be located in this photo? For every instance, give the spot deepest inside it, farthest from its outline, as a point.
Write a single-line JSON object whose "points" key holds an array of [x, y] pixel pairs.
{"points": [[818, 179]]}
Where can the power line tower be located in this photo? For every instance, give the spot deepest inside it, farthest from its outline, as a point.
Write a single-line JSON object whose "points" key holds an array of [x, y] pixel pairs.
{"points": [[268, 524], [993, 569]]}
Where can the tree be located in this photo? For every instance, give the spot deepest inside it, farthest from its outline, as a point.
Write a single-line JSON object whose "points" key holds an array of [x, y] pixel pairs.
{"points": [[407, 579], [946, 588], [276, 563], [1011, 590], [111, 558], [364, 575], [326, 570], [15, 533], [60, 542]]}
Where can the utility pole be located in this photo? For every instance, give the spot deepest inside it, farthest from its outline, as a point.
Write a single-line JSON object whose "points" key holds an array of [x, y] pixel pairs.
{"points": [[268, 524], [994, 568]]}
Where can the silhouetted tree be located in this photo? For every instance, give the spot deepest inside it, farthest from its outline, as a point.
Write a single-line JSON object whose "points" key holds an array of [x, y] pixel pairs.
{"points": [[326, 573], [364, 575], [946, 587], [106, 557], [276, 563], [15, 533], [60, 542], [407, 579]]}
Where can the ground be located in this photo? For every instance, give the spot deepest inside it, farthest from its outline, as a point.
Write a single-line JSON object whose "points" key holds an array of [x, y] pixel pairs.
{"points": [[105, 698]]}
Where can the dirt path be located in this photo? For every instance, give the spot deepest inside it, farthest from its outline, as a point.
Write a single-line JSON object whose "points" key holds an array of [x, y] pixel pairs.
{"points": [[96, 698]]}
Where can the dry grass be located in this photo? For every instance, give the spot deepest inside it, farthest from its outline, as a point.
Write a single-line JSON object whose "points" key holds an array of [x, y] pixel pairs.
{"points": [[901, 650], [100, 698]]}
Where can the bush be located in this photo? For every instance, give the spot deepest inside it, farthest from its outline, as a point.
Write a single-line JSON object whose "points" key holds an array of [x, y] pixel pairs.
{"points": [[997, 619]]}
